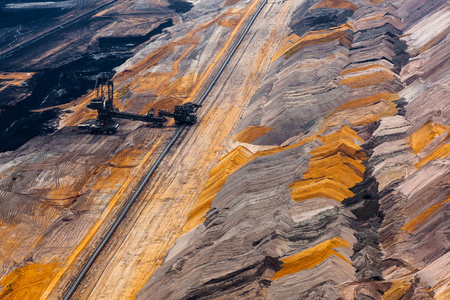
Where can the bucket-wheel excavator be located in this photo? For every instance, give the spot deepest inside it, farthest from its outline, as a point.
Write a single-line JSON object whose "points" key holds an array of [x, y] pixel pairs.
{"points": [[105, 123], [182, 114]]}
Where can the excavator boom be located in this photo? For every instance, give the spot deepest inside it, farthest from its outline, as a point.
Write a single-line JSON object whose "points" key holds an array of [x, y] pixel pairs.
{"points": [[103, 103]]}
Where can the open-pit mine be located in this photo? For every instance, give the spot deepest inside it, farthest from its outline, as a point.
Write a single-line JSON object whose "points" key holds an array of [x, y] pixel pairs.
{"points": [[225, 149]]}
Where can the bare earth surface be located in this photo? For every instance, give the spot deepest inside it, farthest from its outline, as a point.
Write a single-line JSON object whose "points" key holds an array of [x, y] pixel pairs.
{"points": [[318, 168]]}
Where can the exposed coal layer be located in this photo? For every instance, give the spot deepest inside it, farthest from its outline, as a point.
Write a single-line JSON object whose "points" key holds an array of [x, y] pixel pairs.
{"points": [[9, 20], [364, 138], [334, 176], [364, 205], [367, 254], [61, 79], [51, 87], [180, 6], [320, 19], [124, 43], [25, 58]]}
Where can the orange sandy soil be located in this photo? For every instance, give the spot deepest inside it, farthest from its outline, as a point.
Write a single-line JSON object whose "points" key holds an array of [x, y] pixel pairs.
{"points": [[414, 223], [251, 133], [13, 78], [167, 91], [335, 167], [125, 169], [153, 226], [397, 290], [126, 283], [336, 4], [422, 137], [293, 43], [112, 180], [311, 257], [20, 285]]}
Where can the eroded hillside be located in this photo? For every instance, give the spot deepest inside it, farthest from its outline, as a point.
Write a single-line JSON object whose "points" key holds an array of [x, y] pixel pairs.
{"points": [[319, 167], [349, 196]]}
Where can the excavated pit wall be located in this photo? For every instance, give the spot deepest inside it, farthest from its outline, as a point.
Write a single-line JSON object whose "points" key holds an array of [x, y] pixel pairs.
{"points": [[353, 205], [367, 256], [335, 186], [254, 222]]}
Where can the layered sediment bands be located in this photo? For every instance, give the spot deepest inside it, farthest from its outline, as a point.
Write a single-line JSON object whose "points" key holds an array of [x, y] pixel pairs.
{"points": [[302, 85], [410, 163], [217, 177], [59, 193], [375, 67], [336, 4], [46, 207], [313, 235], [352, 201], [254, 217], [333, 128], [292, 97], [334, 168], [251, 133], [412, 233], [309, 258], [153, 230], [424, 139], [340, 33], [324, 15]]}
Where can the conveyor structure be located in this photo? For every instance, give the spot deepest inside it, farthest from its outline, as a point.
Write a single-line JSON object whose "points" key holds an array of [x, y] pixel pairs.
{"points": [[104, 104]]}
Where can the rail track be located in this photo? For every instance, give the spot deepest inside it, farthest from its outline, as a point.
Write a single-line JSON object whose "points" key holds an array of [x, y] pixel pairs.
{"points": [[155, 165]]}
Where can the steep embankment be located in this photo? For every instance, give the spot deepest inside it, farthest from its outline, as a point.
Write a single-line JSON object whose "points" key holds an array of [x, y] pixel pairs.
{"points": [[332, 121], [349, 197], [63, 191]]}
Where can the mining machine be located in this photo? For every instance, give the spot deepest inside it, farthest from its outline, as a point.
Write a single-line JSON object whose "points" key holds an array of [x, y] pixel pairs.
{"points": [[103, 103], [182, 114], [105, 123]]}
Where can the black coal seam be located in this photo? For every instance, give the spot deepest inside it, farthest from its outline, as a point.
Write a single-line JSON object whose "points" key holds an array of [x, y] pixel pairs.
{"points": [[370, 33], [367, 254], [235, 280], [388, 40], [117, 41], [321, 20], [369, 60], [19, 124], [253, 273], [180, 6], [364, 205]]}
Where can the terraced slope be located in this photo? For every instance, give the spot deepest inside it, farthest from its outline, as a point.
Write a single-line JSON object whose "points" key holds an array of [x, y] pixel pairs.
{"points": [[339, 183], [63, 191], [319, 168]]}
